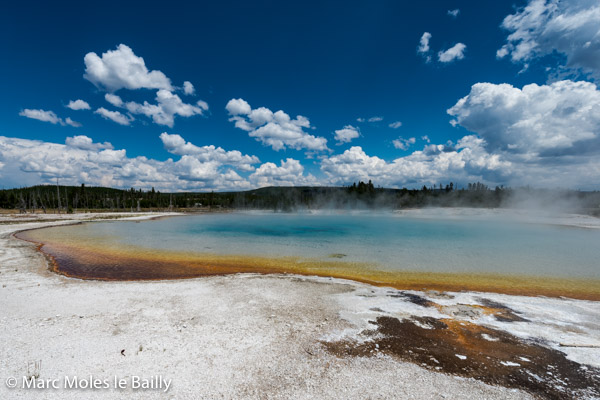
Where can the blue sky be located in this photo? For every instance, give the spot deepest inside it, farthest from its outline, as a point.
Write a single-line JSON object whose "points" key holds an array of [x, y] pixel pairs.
{"points": [[530, 115]]}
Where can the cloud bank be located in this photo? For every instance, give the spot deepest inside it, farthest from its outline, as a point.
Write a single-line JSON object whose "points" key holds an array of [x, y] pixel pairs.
{"points": [[549, 134], [81, 160]]}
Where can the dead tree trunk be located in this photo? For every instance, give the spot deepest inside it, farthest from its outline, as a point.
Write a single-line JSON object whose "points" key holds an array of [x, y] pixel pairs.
{"points": [[58, 195], [22, 205]]}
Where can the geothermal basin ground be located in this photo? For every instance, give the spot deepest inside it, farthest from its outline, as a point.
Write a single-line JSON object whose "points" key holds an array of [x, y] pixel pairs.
{"points": [[250, 335]]}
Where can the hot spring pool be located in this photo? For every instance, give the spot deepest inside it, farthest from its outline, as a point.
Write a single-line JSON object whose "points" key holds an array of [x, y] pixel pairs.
{"points": [[343, 244]]}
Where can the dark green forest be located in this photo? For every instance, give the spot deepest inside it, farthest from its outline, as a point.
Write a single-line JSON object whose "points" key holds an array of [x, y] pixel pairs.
{"points": [[53, 199]]}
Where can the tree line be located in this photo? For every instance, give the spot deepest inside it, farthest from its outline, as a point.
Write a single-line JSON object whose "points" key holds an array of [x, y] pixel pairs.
{"points": [[66, 199]]}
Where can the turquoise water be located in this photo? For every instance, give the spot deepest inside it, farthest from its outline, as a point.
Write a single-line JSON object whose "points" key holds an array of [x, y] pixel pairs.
{"points": [[393, 241]]}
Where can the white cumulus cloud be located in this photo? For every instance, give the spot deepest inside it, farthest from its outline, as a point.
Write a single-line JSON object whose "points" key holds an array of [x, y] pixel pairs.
{"points": [[188, 88], [423, 47], [168, 105], [83, 142], [403, 144], [74, 124], [468, 162], [80, 160], [455, 52], [424, 43], [540, 135], [78, 105], [113, 99], [238, 107], [48, 116], [121, 68], [542, 27], [550, 134], [560, 118], [175, 144], [114, 116], [289, 173], [41, 115], [395, 125], [346, 134], [274, 129]]}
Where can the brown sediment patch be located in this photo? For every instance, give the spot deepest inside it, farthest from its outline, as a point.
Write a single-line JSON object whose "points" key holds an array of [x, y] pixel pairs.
{"points": [[414, 298], [97, 260], [500, 311], [474, 351], [434, 294], [471, 311]]}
